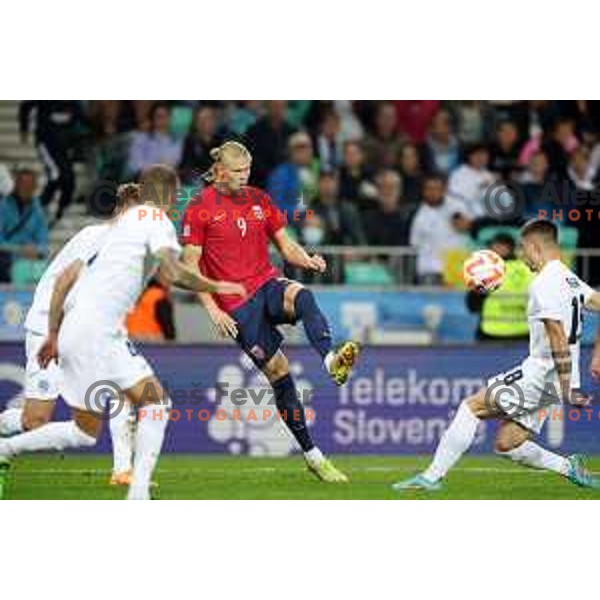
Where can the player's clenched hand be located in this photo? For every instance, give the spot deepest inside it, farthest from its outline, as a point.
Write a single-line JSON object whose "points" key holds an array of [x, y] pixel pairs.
{"points": [[317, 263], [224, 324], [235, 289], [579, 398], [48, 352]]}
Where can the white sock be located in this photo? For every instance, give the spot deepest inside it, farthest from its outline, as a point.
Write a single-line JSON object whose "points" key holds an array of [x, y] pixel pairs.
{"points": [[454, 443], [328, 360], [11, 421], [152, 422], [52, 436], [531, 454], [120, 435], [314, 456]]}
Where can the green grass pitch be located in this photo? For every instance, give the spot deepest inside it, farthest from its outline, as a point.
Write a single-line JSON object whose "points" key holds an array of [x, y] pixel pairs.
{"points": [[218, 477]]}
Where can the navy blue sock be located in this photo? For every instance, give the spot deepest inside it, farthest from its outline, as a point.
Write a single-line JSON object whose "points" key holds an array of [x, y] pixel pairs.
{"points": [[314, 321], [292, 412]]}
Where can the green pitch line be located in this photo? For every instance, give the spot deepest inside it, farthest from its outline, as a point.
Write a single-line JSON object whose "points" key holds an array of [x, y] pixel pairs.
{"points": [[218, 477]]}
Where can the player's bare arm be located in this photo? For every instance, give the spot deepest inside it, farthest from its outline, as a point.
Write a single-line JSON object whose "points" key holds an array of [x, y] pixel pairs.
{"points": [[178, 273], [224, 324], [561, 354], [296, 255], [65, 281]]}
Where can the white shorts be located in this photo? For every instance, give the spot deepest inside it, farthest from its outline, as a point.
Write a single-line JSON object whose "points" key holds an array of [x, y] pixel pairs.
{"points": [[97, 364], [526, 393], [40, 384]]}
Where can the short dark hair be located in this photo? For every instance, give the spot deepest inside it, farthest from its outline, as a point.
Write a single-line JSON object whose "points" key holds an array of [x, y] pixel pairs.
{"points": [[543, 228], [503, 238], [433, 176], [158, 183], [25, 171]]}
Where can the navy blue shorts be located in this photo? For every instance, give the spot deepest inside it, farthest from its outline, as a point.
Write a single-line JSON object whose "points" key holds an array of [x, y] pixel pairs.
{"points": [[258, 319]]}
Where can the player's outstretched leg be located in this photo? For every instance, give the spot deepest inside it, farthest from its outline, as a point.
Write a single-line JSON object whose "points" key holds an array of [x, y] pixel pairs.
{"points": [[33, 414], [512, 441], [54, 436], [82, 431], [457, 439], [122, 442], [340, 361], [292, 412]]}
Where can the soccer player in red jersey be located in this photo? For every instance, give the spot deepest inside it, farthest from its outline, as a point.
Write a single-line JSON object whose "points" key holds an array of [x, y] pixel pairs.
{"points": [[226, 233]]}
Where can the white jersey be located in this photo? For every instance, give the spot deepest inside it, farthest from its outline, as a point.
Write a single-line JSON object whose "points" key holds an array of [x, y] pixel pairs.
{"points": [[557, 293], [83, 246], [109, 287]]}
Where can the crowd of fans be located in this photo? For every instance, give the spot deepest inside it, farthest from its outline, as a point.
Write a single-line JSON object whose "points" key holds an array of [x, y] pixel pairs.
{"points": [[378, 173]]}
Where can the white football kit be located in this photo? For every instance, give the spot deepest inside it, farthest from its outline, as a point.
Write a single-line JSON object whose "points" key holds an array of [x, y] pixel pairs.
{"points": [[558, 294], [44, 384], [94, 350]]}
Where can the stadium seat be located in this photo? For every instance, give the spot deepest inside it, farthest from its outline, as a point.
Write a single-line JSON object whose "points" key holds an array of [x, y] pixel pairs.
{"points": [[487, 234], [568, 237], [366, 273], [181, 120], [27, 272]]}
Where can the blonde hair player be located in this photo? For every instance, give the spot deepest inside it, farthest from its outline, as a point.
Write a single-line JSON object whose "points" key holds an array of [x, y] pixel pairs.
{"points": [[226, 233], [522, 398], [85, 331]]}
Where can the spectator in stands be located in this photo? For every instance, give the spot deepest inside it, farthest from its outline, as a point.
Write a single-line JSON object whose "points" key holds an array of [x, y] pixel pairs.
{"points": [[505, 150], [383, 145], [388, 223], [57, 123], [441, 150], [350, 126], [339, 217], [292, 185], [473, 118], [6, 181], [558, 144], [415, 117], [356, 178], [268, 141], [243, 115], [23, 228], [156, 145], [503, 314], [540, 191], [196, 160], [439, 225], [580, 171], [330, 142], [411, 171], [469, 183], [152, 318]]}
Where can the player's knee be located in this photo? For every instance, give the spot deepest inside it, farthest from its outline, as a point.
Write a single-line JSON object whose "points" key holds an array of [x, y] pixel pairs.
{"points": [[503, 445], [304, 301], [33, 421], [277, 368]]}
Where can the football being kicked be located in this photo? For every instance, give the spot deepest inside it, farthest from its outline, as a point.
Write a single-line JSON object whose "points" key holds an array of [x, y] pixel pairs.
{"points": [[484, 271]]}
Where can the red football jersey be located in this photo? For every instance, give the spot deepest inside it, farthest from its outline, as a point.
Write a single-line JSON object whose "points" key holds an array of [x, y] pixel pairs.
{"points": [[234, 233]]}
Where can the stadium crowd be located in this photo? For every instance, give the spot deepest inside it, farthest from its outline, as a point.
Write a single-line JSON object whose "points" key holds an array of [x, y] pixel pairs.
{"points": [[379, 173]]}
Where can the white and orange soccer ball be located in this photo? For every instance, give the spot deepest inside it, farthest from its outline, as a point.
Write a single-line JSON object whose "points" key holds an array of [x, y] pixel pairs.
{"points": [[484, 271]]}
